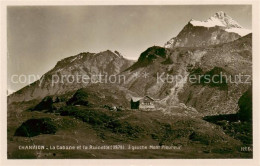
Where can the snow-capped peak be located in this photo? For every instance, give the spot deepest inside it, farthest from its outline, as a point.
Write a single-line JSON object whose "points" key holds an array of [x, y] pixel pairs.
{"points": [[240, 31], [218, 19], [211, 22], [226, 20], [221, 19]]}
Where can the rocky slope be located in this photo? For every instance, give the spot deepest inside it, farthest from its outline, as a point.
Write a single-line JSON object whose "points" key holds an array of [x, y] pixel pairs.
{"points": [[164, 74], [231, 59], [88, 64]]}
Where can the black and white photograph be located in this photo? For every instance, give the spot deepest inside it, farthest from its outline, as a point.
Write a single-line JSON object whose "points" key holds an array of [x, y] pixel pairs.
{"points": [[125, 81]]}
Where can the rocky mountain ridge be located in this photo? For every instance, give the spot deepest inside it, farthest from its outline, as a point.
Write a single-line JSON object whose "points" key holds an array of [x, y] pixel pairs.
{"points": [[83, 64], [164, 67]]}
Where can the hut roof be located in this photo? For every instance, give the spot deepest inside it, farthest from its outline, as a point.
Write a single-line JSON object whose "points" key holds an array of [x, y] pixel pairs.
{"points": [[135, 99]]}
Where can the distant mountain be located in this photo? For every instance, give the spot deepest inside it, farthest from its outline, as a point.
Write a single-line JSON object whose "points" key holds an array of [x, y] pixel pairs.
{"points": [[106, 63], [220, 28]]}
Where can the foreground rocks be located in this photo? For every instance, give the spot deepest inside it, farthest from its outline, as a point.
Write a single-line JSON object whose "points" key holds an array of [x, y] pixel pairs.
{"points": [[34, 127]]}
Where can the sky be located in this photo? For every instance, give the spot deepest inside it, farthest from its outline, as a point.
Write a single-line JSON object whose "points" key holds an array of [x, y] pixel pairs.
{"points": [[39, 36]]}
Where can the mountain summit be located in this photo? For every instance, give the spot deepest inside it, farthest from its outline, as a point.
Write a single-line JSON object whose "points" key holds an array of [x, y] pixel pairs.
{"points": [[218, 19], [226, 20], [85, 63], [219, 28]]}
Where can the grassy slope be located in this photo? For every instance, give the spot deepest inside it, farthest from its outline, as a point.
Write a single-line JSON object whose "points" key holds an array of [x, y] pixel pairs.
{"points": [[197, 138]]}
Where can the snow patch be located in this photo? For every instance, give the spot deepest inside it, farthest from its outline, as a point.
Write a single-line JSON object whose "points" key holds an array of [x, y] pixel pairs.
{"points": [[73, 59], [77, 57], [59, 70], [115, 54], [118, 54], [211, 22], [240, 31]]}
